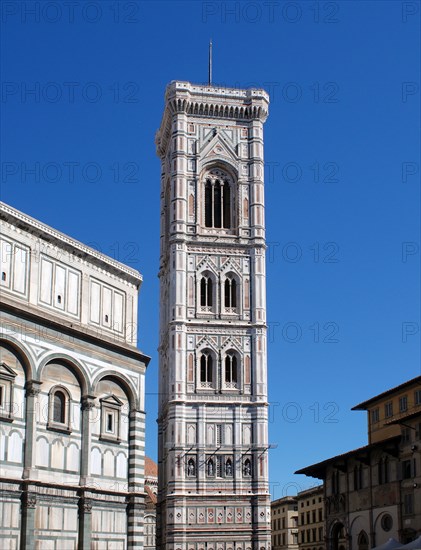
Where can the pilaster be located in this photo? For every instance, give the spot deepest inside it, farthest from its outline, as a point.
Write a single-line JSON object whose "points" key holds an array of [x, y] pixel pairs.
{"points": [[88, 403], [85, 523], [135, 507], [28, 509], [32, 388]]}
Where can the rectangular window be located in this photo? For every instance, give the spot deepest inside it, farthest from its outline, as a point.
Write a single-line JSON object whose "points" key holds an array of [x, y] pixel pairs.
{"points": [[408, 504], [406, 435], [110, 423], [417, 397], [406, 469], [403, 403], [388, 409], [383, 471], [110, 419], [375, 416]]}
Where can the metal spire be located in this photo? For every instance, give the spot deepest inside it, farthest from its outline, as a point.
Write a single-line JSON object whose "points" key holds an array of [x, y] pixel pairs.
{"points": [[210, 63]]}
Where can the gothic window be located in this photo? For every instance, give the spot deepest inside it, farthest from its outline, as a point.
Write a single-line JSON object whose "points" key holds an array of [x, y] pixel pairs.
{"points": [[230, 291], [7, 379], [206, 370], [363, 541], [59, 409], [111, 418], [206, 291], [231, 370], [218, 200]]}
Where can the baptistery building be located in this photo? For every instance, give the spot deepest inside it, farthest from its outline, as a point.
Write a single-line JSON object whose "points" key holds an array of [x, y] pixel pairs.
{"points": [[72, 412]]}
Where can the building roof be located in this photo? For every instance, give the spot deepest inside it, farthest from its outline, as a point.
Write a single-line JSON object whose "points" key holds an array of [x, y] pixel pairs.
{"points": [[284, 500], [151, 468], [49, 234], [365, 404], [311, 491], [318, 470]]}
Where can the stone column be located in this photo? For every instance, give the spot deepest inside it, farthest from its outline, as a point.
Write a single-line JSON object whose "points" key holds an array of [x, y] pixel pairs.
{"points": [[32, 388], [29, 502], [135, 523], [88, 403], [85, 523], [85, 504]]}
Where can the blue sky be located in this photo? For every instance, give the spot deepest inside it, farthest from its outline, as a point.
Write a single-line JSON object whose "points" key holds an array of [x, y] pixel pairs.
{"points": [[82, 96]]}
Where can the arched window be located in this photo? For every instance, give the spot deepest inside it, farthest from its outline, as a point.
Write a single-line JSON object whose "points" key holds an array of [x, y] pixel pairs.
{"points": [[206, 291], [230, 292], [206, 370], [231, 374], [218, 200], [59, 409]]}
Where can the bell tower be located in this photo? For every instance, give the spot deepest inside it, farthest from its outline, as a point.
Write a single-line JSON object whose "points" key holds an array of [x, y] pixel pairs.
{"points": [[212, 450]]}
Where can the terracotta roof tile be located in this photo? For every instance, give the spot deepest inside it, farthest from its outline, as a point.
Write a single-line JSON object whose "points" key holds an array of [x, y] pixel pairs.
{"points": [[151, 468]]}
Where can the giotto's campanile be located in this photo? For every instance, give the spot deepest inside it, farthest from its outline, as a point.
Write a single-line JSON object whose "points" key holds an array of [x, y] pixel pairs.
{"points": [[213, 463]]}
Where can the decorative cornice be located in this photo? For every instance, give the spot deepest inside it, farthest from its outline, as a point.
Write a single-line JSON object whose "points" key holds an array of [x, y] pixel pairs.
{"points": [[212, 102], [31, 225]]}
